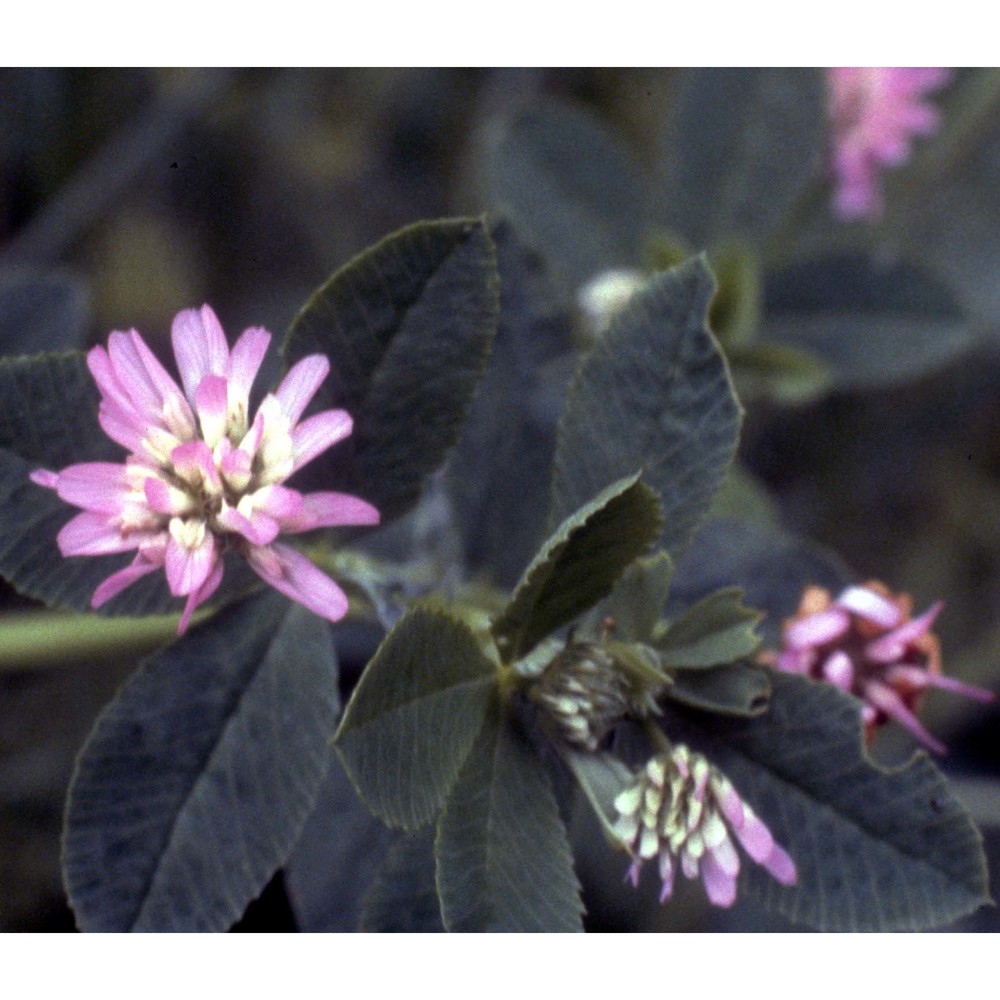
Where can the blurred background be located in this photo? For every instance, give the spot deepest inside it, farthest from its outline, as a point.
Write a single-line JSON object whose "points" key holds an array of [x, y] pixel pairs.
{"points": [[126, 195]]}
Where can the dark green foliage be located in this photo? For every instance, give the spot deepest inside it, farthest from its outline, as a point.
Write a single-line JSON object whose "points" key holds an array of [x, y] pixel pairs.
{"points": [[195, 783], [563, 178], [872, 324], [745, 144], [654, 394], [407, 326], [413, 717], [578, 565], [876, 849], [503, 857], [498, 470]]}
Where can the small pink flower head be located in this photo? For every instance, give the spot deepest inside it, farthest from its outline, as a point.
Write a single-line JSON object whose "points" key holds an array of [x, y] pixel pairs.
{"points": [[682, 810], [866, 643], [875, 112], [201, 476]]}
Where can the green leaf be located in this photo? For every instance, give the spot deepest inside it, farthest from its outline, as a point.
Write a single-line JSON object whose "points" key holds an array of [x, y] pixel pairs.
{"points": [[407, 326], [735, 313], [578, 565], [732, 689], [601, 776], [193, 787], [336, 859], [872, 324], [718, 629], [41, 310], [503, 856], [876, 849], [509, 439], [563, 178], [403, 899], [655, 395], [744, 145], [786, 374], [414, 715], [636, 603]]}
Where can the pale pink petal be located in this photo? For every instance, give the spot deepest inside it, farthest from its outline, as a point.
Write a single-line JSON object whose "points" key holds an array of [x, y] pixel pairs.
{"points": [[174, 406], [199, 346], [795, 661], [329, 510], [122, 426], [91, 534], [295, 576], [726, 858], [212, 404], [300, 384], [119, 581], [278, 502], [817, 629], [839, 670], [236, 468], [317, 433], [870, 605], [891, 646], [666, 876], [166, 499], [781, 866], [43, 477], [720, 886], [754, 836], [108, 382], [195, 462], [198, 597], [958, 687], [888, 701], [188, 567], [98, 486], [244, 363], [131, 371], [257, 527]]}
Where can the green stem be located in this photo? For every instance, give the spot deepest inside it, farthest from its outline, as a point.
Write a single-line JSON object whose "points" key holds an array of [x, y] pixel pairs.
{"points": [[39, 639], [657, 737]]}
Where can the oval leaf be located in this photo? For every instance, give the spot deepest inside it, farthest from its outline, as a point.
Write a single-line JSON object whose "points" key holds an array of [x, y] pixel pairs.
{"points": [[407, 326], [636, 603], [563, 178], [403, 898], [414, 715], [876, 849], [654, 394], [578, 565], [732, 689], [718, 629], [745, 143], [503, 857], [509, 439], [870, 323], [197, 778]]}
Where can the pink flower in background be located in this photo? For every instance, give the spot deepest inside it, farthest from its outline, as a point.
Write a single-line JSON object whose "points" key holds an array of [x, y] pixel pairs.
{"points": [[201, 476], [875, 113], [682, 810], [866, 643]]}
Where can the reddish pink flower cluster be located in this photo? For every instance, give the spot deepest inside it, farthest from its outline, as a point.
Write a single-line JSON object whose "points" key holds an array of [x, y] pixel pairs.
{"points": [[875, 112], [681, 809], [201, 476], [866, 644]]}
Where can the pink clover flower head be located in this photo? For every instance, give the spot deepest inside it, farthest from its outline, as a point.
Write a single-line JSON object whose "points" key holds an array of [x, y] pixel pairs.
{"points": [[867, 644], [202, 475], [875, 112], [685, 812]]}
